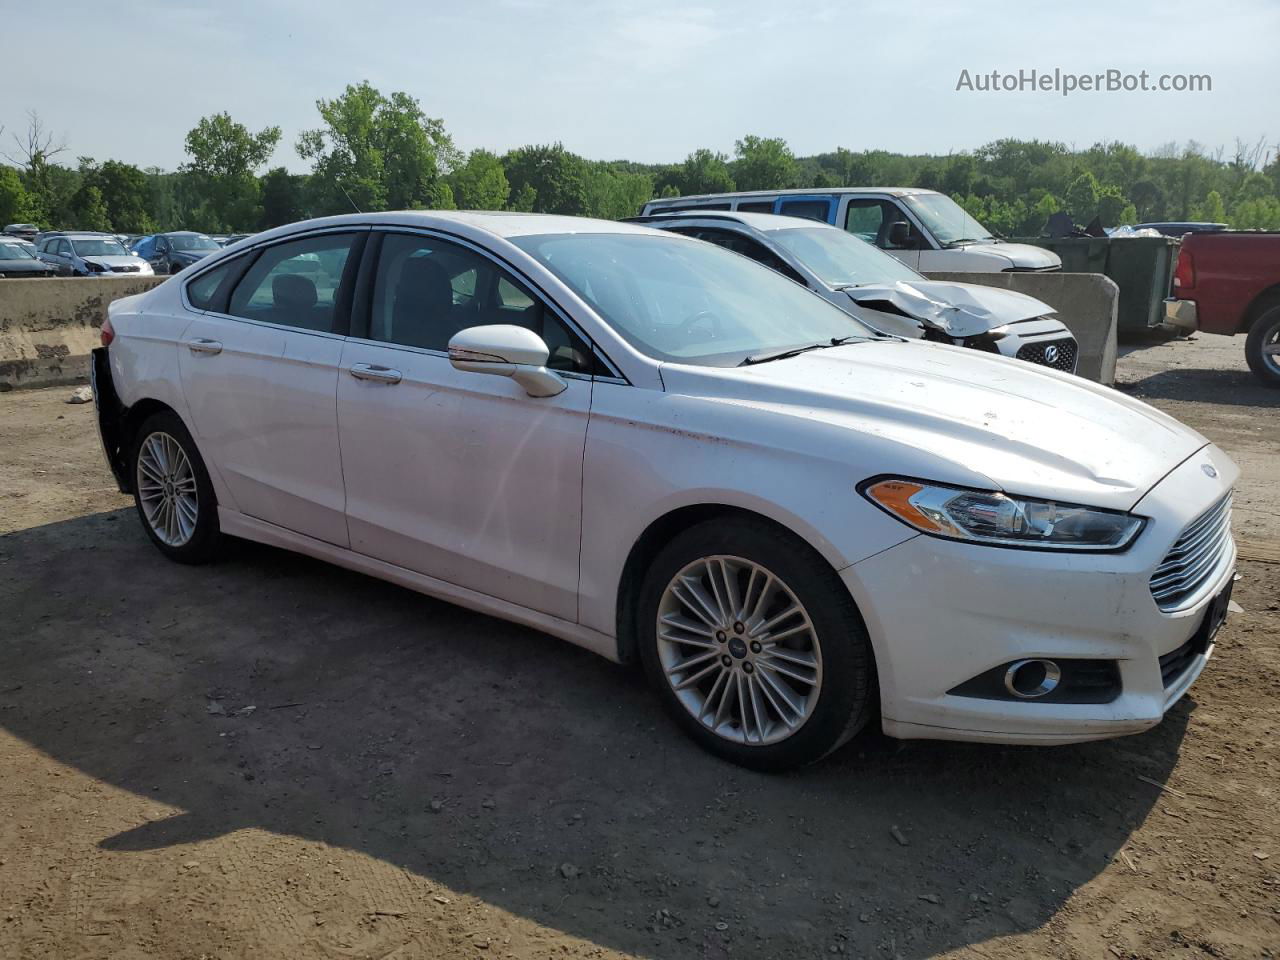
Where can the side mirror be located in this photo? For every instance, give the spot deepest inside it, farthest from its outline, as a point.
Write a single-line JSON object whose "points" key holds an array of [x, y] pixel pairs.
{"points": [[506, 351], [900, 235]]}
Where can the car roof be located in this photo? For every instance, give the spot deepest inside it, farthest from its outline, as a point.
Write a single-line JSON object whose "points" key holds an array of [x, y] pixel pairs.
{"points": [[795, 192], [764, 222], [500, 224]]}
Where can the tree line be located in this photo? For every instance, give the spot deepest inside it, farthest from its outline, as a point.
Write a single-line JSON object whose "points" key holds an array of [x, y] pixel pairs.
{"points": [[372, 152]]}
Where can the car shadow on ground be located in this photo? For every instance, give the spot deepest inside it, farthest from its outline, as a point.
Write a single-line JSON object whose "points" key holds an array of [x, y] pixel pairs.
{"points": [[513, 767], [1236, 388]]}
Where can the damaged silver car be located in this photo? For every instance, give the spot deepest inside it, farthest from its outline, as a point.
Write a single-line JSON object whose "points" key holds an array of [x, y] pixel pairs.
{"points": [[883, 292]]}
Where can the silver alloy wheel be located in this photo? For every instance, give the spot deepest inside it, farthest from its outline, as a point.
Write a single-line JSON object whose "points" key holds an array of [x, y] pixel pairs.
{"points": [[167, 489], [1271, 349], [739, 650]]}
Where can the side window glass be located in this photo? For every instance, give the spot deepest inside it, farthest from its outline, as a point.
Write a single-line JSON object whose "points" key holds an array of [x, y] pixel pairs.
{"points": [[426, 290], [296, 283], [808, 209], [202, 292], [863, 219], [756, 206]]}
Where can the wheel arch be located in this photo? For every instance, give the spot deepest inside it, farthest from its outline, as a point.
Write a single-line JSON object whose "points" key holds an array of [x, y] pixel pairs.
{"points": [[130, 421], [1260, 304], [657, 535]]}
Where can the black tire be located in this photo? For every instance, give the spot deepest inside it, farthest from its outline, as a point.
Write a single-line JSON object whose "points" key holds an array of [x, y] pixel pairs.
{"points": [[205, 540], [848, 692], [1265, 331]]}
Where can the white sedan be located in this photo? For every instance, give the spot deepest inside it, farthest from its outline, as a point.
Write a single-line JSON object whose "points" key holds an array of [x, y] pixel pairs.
{"points": [[664, 452]]}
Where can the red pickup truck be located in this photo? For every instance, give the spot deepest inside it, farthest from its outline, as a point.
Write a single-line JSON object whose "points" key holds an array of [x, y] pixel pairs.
{"points": [[1229, 283]]}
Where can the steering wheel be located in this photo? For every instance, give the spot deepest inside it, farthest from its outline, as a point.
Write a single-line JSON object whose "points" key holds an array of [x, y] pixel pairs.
{"points": [[687, 325]]}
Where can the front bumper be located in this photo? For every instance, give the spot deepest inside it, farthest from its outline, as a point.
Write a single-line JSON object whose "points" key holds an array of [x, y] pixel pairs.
{"points": [[941, 612], [1181, 314]]}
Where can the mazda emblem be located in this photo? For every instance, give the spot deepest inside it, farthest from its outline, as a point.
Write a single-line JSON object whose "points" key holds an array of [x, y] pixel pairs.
{"points": [[1051, 354]]}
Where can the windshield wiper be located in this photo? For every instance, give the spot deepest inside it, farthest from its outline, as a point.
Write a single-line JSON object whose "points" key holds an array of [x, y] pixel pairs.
{"points": [[796, 351]]}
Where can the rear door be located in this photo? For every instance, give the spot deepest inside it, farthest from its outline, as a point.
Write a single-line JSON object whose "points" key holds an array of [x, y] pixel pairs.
{"points": [[260, 369], [460, 476]]}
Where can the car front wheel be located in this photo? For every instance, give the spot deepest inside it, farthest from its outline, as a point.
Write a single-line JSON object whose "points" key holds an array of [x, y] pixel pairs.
{"points": [[172, 491], [755, 645]]}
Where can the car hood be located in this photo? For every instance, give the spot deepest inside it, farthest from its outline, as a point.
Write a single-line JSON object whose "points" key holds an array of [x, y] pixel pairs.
{"points": [[24, 266], [958, 309], [122, 261], [1023, 256], [960, 416]]}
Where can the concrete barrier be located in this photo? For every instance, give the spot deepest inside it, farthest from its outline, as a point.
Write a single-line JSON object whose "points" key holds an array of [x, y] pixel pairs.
{"points": [[48, 326], [1086, 303]]}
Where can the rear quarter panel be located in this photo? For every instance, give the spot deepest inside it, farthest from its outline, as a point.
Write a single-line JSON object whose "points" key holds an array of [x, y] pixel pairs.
{"points": [[1231, 271]]}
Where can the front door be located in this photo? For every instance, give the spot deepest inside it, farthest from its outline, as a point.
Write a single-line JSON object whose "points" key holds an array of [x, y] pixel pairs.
{"points": [[462, 476], [872, 219], [260, 374]]}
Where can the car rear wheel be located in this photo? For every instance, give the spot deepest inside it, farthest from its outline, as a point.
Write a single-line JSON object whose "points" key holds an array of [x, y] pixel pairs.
{"points": [[1262, 348], [754, 645], [172, 491]]}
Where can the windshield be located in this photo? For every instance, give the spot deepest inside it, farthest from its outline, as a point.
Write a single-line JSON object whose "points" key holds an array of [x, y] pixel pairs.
{"points": [[193, 243], [98, 247], [841, 259], [14, 251], [688, 301], [946, 219]]}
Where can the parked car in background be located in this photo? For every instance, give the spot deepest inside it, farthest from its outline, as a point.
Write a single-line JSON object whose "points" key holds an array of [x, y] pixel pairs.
{"points": [[23, 231], [1177, 229], [172, 252], [88, 255], [236, 238], [882, 291], [657, 449], [17, 261], [926, 230], [1229, 283]]}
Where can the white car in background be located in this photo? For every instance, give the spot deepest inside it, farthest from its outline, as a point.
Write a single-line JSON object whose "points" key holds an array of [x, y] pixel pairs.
{"points": [[661, 451], [883, 292], [926, 230]]}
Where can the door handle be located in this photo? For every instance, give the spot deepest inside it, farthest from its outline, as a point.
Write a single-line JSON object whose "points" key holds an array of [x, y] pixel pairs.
{"points": [[203, 345], [375, 372]]}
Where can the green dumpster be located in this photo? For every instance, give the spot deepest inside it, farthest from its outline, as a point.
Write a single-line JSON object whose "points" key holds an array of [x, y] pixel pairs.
{"points": [[1142, 268]]}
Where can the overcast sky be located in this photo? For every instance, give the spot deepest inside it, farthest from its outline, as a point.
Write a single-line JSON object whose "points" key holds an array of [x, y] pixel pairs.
{"points": [[646, 81]]}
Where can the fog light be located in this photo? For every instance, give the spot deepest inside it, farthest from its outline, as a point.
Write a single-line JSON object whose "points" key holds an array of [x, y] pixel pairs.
{"points": [[1032, 679]]}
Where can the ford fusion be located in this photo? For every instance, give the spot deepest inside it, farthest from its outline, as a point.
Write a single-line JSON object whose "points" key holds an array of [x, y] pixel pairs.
{"points": [[663, 452]]}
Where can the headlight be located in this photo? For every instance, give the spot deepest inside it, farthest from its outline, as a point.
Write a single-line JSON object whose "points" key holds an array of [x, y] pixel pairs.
{"points": [[997, 519]]}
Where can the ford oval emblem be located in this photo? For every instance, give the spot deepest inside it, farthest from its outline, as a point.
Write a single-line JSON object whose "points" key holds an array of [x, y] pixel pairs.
{"points": [[1208, 469], [1051, 354]]}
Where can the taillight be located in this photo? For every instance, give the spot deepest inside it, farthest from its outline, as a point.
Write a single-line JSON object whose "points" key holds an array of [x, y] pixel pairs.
{"points": [[107, 333], [1184, 274]]}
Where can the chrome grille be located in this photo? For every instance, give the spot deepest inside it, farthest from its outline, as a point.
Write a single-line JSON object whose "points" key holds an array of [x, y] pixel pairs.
{"points": [[1193, 557], [1061, 357]]}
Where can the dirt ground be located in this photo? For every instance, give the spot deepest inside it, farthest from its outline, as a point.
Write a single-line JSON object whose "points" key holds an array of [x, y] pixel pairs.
{"points": [[275, 758]]}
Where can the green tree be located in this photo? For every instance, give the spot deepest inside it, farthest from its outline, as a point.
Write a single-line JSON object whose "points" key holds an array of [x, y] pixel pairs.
{"points": [[90, 210], [14, 202], [375, 152], [1081, 200], [225, 157], [1212, 210], [123, 190], [763, 163], [557, 178], [480, 183], [704, 171], [283, 198], [613, 194], [1039, 215], [523, 200], [1112, 205]]}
